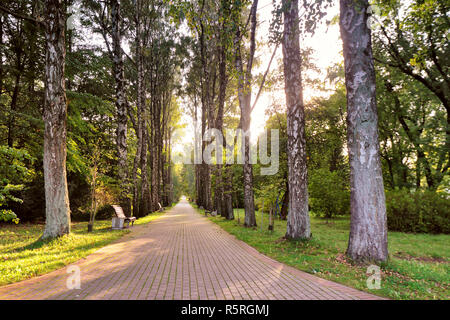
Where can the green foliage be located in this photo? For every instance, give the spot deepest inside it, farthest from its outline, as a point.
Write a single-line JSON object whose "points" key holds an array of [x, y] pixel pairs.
{"points": [[418, 212], [411, 50], [326, 130], [267, 196], [183, 181], [329, 193], [8, 215], [271, 187], [13, 174]]}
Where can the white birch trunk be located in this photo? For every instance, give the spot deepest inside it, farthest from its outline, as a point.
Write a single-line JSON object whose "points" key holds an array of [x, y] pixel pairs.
{"points": [[298, 222], [244, 96], [57, 208], [121, 105]]}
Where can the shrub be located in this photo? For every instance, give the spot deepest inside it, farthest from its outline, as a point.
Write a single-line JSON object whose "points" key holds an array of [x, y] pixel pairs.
{"points": [[329, 193], [418, 212], [13, 172], [8, 215]]}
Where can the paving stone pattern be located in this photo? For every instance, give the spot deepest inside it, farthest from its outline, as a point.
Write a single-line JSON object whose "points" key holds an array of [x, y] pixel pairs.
{"points": [[180, 255]]}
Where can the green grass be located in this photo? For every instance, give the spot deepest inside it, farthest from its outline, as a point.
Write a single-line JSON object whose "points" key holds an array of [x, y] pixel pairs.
{"points": [[418, 267], [23, 255]]}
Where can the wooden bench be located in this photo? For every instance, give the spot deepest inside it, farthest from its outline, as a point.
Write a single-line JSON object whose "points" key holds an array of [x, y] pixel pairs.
{"points": [[121, 221]]}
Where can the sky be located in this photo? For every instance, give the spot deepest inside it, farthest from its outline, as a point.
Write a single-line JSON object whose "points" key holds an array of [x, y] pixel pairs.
{"points": [[327, 47]]}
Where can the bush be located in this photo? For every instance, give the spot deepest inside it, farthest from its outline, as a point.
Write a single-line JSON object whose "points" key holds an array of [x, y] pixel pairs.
{"points": [[329, 193], [8, 215], [14, 172], [418, 212]]}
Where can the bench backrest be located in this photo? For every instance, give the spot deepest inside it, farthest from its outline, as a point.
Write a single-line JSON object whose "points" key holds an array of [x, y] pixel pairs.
{"points": [[119, 211]]}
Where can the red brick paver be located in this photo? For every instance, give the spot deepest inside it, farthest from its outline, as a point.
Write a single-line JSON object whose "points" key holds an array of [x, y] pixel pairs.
{"points": [[181, 255]]}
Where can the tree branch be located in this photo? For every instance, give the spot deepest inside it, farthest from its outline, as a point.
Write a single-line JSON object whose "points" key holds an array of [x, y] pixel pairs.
{"points": [[21, 16], [264, 78]]}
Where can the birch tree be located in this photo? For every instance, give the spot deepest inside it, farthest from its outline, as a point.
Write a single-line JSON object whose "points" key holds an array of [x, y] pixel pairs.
{"points": [[368, 229], [121, 103], [140, 190], [298, 224], [244, 96], [57, 210]]}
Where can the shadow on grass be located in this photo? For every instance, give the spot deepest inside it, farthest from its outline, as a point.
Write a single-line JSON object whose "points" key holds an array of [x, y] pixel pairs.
{"points": [[62, 254], [39, 243]]}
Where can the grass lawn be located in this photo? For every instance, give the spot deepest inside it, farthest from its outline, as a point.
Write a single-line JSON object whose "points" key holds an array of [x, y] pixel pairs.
{"points": [[419, 265], [23, 255]]}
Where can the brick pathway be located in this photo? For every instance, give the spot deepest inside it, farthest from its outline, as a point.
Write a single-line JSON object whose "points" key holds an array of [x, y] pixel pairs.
{"points": [[181, 255]]}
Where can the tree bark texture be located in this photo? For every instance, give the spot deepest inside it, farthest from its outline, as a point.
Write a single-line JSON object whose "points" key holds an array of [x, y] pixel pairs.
{"points": [[205, 175], [155, 178], [219, 191], [285, 203], [368, 230], [298, 222], [57, 208], [244, 95], [121, 106]]}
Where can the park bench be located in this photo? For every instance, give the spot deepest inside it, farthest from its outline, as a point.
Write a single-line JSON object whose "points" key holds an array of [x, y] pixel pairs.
{"points": [[121, 221]]}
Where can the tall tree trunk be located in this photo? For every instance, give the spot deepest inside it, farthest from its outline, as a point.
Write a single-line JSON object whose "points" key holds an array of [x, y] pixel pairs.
{"points": [[368, 230], [168, 166], [418, 173], [228, 192], [245, 95], [164, 148], [285, 203], [140, 98], [160, 151], [205, 176], [169, 170], [219, 191], [57, 209], [156, 154], [121, 106], [223, 182], [145, 192], [197, 155], [298, 224]]}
